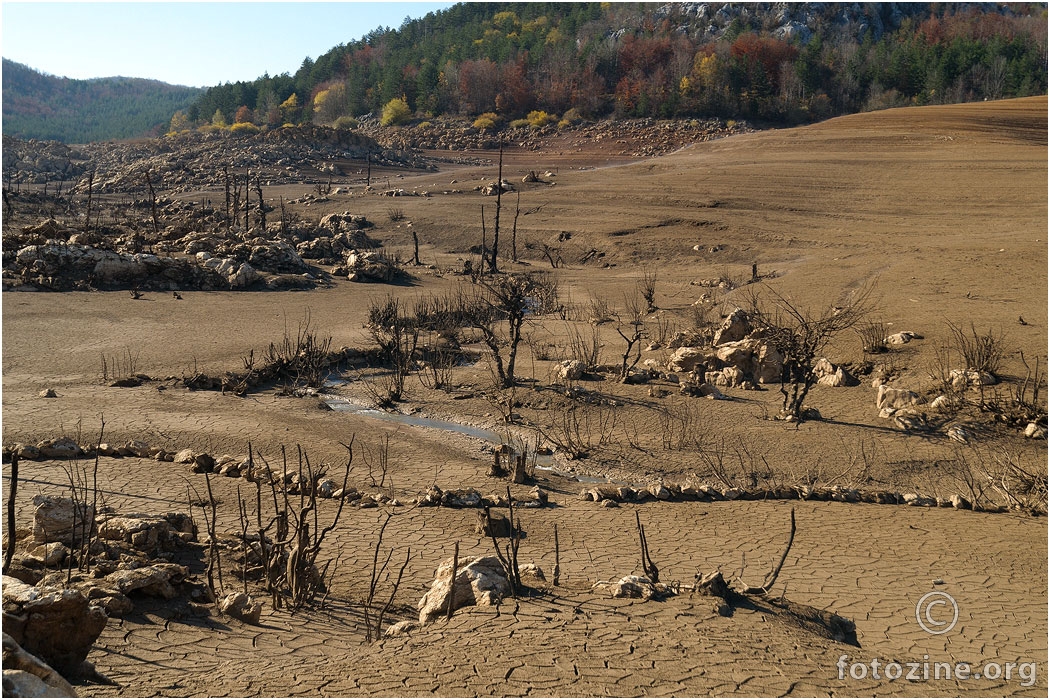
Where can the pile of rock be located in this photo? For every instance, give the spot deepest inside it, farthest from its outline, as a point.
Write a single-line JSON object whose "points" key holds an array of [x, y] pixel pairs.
{"points": [[370, 266], [611, 495], [194, 161], [472, 498]]}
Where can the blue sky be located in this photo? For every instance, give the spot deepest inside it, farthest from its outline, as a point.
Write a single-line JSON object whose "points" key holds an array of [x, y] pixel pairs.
{"points": [[188, 43]]}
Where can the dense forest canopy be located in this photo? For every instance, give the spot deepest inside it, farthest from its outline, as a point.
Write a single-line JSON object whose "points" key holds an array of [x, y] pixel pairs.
{"points": [[787, 63], [41, 106]]}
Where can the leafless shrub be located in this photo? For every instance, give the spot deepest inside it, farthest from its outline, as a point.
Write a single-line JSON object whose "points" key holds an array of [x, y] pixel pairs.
{"points": [[397, 336], [600, 311], [588, 422], [377, 460], [499, 307], [647, 288], [981, 352], [373, 620], [682, 426], [395, 214], [585, 348], [872, 336], [304, 359], [122, 366]]}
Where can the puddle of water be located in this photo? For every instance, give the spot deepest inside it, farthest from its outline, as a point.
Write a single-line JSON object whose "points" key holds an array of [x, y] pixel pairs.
{"points": [[342, 405]]}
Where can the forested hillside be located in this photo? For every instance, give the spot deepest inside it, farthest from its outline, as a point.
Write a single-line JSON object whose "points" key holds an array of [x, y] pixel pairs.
{"points": [[36, 105], [786, 63]]}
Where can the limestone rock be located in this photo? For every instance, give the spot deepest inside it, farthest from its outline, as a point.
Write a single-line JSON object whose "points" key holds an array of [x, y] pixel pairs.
{"points": [[57, 625], [148, 532], [399, 628], [569, 370], [889, 397], [479, 581], [241, 606], [18, 661], [61, 448], [54, 518], [734, 327], [686, 359], [157, 579], [22, 684], [1035, 431], [902, 338]]}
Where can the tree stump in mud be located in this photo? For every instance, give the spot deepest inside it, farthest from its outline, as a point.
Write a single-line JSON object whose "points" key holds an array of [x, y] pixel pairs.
{"points": [[489, 526], [497, 470], [518, 474]]}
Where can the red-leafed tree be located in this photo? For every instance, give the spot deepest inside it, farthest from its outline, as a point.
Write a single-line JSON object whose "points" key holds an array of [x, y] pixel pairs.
{"points": [[243, 115], [478, 86], [768, 52]]}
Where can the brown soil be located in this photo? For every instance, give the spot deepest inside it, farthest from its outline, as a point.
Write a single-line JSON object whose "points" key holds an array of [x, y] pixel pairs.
{"points": [[944, 206]]}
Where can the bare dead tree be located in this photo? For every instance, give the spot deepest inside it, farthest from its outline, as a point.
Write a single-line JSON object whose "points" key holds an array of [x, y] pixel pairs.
{"points": [[90, 184], [247, 188], [648, 567], [499, 193], [10, 551], [226, 189], [771, 577], [262, 205], [635, 332], [152, 201], [507, 299], [801, 335], [514, 230]]}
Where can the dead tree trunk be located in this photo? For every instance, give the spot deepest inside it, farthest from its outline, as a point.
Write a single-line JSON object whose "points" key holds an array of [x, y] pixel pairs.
{"points": [[10, 551], [226, 180], [152, 203], [415, 248], [514, 231], [499, 192], [247, 188], [87, 218], [262, 206], [518, 473]]}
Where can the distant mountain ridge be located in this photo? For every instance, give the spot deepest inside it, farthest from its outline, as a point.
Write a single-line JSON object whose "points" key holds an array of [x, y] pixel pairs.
{"points": [[41, 106]]}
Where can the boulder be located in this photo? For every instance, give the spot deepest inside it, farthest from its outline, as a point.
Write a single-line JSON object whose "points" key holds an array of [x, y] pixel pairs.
{"points": [[686, 359], [241, 606], [53, 520], [158, 579], [23, 684], [148, 532], [370, 266], [479, 581], [399, 628], [243, 277], [734, 327], [962, 379], [1035, 431], [831, 375], [569, 370], [902, 338], [58, 626], [61, 448], [891, 398]]}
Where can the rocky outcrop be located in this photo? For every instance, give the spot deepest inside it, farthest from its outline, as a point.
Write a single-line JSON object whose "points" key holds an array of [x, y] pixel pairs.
{"points": [[57, 625], [60, 519], [26, 676]]}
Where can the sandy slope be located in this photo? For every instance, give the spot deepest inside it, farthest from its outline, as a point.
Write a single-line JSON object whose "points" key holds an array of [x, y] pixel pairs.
{"points": [[945, 206]]}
